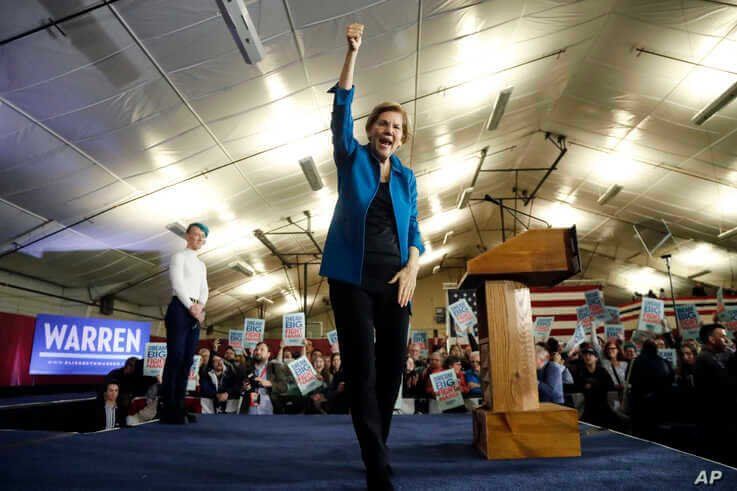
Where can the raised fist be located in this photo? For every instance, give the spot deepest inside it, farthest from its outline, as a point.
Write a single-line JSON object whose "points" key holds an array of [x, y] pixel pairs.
{"points": [[353, 34]]}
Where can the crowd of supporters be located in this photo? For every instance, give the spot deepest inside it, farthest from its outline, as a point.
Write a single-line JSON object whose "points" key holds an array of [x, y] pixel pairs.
{"points": [[612, 383]]}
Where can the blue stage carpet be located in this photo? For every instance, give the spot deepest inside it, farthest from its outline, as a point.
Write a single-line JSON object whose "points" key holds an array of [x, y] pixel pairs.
{"points": [[319, 452]]}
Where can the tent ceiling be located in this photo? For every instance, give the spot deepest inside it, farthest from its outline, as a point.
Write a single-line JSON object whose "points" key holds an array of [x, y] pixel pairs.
{"points": [[142, 113]]}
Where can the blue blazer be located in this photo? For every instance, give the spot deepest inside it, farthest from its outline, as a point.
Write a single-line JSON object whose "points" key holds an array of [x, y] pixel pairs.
{"points": [[358, 183]]}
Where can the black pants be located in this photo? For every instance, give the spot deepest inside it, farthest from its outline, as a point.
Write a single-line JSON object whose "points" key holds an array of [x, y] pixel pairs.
{"points": [[373, 371], [182, 336]]}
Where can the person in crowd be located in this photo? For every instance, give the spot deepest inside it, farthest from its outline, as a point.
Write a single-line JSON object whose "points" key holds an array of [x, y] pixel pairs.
{"points": [[337, 398], [284, 355], [288, 357], [660, 342], [594, 382], [412, 388], [457, 351], [454, 363], [314, 355], [651, 294], [473, 375], [107, 413], [549, 377], [698, 290], [184, 317], [686, 363], [265, 385], [371, 259], [716, 390], [435, 365], [219, 386], [307, 349], [613, 362], [415, 352], [229, 357], [131, 381], [318, 398], [650, 379], [205, 359], [147, 412], [335, 363]]}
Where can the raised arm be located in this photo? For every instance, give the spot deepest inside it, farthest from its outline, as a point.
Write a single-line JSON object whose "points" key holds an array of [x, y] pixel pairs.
{"points": [[353, 35], [342, 120]]}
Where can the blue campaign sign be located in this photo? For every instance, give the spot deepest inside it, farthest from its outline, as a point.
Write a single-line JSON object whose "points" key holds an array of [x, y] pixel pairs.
{"points": [[85, 346]]}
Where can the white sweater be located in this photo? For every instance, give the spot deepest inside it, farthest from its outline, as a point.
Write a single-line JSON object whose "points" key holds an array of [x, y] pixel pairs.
{"points": [[188, 277]]}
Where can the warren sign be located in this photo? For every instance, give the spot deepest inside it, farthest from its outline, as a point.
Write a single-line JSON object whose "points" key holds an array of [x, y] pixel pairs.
{"points": [[83, 346]]}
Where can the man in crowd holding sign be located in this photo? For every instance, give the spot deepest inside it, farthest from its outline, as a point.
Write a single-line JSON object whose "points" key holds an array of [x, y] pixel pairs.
{"points": [[265, 384], [184, 316]]}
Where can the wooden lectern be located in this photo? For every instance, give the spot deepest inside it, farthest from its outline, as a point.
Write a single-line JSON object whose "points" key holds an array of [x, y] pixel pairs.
{"points": [[513, 424]]}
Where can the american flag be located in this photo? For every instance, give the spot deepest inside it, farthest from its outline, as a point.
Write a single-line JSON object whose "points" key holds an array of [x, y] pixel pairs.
{"points": [[470, 296]]}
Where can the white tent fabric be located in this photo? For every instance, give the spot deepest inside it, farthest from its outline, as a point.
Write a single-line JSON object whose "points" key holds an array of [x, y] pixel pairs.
{"points": [[142, 113]]}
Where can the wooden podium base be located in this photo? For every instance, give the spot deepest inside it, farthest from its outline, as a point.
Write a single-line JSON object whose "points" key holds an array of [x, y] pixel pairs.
{"points": [[550, 431]]}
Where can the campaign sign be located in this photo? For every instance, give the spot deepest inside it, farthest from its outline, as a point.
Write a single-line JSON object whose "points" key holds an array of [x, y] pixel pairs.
{"points": [[579, 335], [543, 326], [595, 303], [668, 355], [154, 359], [728, 318], [447, 391], [639, 337], [420, 337], [293, 329], [652, 314], [463, 316], [583, 316], [305, 375], [612, 315], [688, 320], [253, 332], [333, 338], [85, 346], [194, 373], [614, 331], [235, 341]]}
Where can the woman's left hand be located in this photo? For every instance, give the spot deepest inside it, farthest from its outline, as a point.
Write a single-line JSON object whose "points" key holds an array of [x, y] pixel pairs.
{"points": [[407, 278]]}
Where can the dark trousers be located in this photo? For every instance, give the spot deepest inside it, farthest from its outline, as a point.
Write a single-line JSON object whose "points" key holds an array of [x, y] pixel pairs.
{"points": [[182, 336], [373, 371]]}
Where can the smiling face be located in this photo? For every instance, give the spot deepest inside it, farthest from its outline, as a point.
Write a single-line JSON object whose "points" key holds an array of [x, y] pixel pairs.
{"points": [[195, 238], [386, 134]]}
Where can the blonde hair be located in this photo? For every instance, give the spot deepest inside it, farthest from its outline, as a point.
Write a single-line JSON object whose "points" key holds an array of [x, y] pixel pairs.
{"points": [[390, 107]]}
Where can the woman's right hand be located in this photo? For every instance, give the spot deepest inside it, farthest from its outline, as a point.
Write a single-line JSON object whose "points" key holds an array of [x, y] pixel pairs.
{"points": [[353, 34]]}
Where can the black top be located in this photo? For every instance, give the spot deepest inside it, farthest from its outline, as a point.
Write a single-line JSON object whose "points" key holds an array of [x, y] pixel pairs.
{"points": [[382, 243]]}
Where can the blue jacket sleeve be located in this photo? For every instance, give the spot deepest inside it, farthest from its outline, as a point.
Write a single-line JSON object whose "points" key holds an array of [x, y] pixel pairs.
{"points": [[341, 124], [414, 237]]}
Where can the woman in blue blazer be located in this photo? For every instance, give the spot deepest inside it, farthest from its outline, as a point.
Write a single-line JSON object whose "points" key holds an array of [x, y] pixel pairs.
{"points": [[371, 259]]}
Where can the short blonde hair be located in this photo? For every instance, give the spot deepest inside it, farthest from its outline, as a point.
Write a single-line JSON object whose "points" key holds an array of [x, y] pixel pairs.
{"points": [[390, 107]]}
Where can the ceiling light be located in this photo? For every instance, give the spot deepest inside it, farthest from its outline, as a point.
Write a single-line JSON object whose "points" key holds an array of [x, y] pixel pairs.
{"points": [[177, 229], [242, 267], [465, 197], [310, 170], [610, 193], [447, 236], [257, 286], [716, 105], [699, 274], [265, 300], [241, 27], [499, 107], [482, 157], [435, 269], [727, 234]]}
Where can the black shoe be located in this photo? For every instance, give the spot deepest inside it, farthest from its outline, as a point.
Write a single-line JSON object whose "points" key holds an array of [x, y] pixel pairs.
{"points": [[379, 480], [191, 418]]}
